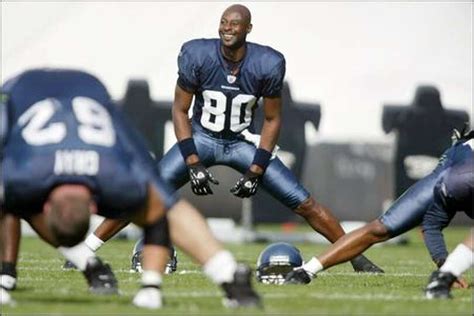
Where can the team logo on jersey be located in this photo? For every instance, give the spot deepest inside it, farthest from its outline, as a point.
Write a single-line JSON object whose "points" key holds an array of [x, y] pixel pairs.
{"points": [[231, 78]]}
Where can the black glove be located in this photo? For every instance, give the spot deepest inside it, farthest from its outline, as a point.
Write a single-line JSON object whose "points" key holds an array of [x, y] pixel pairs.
{"points": [[200, 177], [247, 185]]}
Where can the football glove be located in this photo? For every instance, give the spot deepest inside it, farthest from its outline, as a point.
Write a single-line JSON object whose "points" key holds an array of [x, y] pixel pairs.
{"points": [[247, 185], [200, 178]]}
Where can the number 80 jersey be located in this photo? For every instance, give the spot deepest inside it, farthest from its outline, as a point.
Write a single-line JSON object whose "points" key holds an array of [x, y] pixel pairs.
{"points": [[226, 95]]}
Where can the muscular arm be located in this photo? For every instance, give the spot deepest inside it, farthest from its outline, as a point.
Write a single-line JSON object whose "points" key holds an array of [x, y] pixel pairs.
{"points": [[271, 127], [181, 122], [434, 221]]}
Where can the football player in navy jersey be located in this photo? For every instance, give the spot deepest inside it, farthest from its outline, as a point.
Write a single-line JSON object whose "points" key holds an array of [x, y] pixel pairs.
{"points": [[67, 153], [227, 77], [432, 203]]}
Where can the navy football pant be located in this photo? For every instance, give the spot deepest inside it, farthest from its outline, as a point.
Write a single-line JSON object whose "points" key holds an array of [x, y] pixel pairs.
{"points": [[238, 154]]}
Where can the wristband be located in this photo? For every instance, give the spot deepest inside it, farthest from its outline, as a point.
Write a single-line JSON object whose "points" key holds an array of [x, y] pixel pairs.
{"points": [[187, 147], [262, 158]]}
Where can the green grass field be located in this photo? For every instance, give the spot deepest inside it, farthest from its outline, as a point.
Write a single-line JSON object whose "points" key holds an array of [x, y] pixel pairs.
{"points": [[44, 288]]}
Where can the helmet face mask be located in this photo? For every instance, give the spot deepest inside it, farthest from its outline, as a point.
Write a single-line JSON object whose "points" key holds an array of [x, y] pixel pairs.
{"points": [[276, 261], [171, 265], [274, 274]]}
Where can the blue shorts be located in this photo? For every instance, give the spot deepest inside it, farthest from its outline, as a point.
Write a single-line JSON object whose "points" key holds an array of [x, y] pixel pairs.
{"points": [[238, 154], [409, 209]]}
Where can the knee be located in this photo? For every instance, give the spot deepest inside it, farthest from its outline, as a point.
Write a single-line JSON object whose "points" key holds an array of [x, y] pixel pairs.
{"points": [[378, 230], [309, 207], [158, 233]]}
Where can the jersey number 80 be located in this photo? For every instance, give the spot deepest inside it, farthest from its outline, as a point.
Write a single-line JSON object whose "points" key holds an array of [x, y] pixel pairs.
{"points": [[214, 111]]}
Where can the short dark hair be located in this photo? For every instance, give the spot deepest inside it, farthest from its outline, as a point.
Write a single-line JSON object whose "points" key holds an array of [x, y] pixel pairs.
{"points": [[69, 220]]}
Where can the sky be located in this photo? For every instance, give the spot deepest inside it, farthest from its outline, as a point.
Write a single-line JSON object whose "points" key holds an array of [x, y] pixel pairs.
{"points": [[350, 57]]}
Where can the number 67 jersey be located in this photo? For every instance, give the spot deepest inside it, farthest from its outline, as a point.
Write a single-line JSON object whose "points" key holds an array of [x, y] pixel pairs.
{"points": [[226, 93], [60, 126]]}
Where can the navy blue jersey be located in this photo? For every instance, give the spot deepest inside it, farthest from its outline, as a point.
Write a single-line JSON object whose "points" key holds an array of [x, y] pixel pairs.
{"points": [[63, 128], [224, 103]]}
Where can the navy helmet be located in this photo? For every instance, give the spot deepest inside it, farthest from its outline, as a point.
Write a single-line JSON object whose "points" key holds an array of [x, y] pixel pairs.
{"points": [[276, 261], [136, 266]]}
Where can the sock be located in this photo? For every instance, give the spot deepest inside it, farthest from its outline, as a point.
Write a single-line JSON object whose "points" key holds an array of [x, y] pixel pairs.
{"points": [[313, 266], [77, 255], [8, 268], [461, 259], [221, 267], [151, 278], [93, 242]]}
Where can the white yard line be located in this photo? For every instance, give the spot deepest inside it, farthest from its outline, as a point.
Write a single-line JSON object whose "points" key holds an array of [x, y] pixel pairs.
{"points": [[323, 296], [323, 274]]}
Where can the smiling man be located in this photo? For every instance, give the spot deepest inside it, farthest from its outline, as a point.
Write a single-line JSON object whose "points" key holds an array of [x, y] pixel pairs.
{"points": [[226, 77]]}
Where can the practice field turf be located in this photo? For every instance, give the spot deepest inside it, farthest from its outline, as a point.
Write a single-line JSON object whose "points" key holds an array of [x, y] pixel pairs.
{"points": [[44, 288]]}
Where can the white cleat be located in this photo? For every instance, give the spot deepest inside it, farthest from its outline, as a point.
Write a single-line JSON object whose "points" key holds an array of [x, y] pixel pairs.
{"points": [[148, 297], [6, 298]]}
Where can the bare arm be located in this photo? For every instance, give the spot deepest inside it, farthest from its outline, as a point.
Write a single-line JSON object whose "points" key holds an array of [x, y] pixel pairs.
{"points": [[181, 122], [271, 127]]}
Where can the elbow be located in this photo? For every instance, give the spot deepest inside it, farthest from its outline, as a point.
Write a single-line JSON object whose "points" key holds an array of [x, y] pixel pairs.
{"points": [[178, 113], [274, 122]]}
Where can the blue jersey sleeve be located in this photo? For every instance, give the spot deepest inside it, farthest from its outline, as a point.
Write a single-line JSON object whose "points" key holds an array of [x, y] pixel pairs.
{"points": [[4, 121], [434, 221], [187, 69], [273, 83]]}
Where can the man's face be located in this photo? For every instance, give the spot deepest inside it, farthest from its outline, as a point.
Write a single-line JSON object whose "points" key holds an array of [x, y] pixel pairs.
{"points": [[233, 29]]}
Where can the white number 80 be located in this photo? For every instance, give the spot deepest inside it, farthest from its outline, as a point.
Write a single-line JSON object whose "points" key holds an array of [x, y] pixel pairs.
{"points": [[214, 108]]}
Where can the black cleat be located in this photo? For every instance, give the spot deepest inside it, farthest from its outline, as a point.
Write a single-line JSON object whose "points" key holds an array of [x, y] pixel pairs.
{"points": [[239, 293], [362, 264], [298, 276], [68, 265], [439, 285], [100, 277]]}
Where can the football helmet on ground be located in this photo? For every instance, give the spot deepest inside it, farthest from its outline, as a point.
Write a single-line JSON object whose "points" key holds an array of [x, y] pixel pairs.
{"points": [[276, 261], [136, 265]]}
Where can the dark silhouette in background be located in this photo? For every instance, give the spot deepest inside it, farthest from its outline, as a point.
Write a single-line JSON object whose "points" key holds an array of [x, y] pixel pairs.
{"points": [[424, 130], [147, 115]]}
